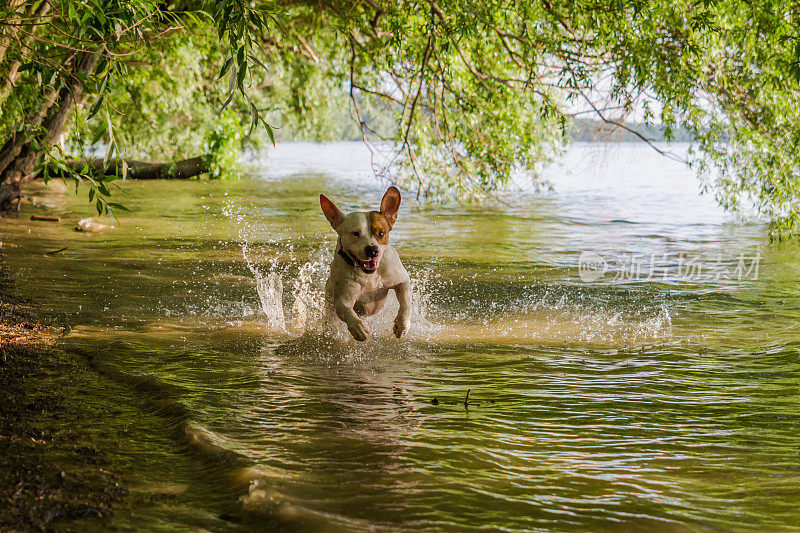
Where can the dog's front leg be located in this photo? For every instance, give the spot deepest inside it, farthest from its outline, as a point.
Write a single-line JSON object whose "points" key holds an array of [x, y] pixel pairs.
{"points": [[403, 319], [344, 310]]}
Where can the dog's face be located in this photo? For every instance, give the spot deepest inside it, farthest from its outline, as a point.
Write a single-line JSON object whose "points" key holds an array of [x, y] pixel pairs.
{"points": [[364, 235]]}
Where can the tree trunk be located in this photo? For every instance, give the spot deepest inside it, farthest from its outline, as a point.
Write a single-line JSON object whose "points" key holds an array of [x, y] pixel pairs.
{"points": [[10, 28], [19, 156], [13, 145], [13, 67], [140, 170]]}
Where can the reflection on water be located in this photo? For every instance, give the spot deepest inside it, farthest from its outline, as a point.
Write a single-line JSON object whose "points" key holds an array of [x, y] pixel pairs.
{"points": [[663, 402]]}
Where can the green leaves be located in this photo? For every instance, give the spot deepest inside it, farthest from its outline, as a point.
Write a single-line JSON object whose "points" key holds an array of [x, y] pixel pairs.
{"points": [[154, 92], [241, 25], [464, 94]]}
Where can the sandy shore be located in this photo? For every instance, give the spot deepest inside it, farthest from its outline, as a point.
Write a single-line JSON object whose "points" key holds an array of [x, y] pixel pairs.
{"points": [[52, 477]]}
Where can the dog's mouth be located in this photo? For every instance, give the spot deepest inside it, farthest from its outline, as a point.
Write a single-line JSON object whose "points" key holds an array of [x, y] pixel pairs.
{"points": [[368, 265]]}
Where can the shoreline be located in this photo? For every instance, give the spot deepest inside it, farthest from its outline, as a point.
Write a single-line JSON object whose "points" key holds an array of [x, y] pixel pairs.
{"points": [[51, 473]]}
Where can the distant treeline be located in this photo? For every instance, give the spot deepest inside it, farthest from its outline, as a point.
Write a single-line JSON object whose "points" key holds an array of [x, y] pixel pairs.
{"points": [[342, 128], [589, 130]]}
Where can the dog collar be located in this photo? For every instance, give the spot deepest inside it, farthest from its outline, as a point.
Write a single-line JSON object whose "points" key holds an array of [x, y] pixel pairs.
{"points": [[347, 258]]}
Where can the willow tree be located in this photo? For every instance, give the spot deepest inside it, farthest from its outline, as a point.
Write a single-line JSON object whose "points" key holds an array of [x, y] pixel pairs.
{"points": [[466, 93], [135, 77]]}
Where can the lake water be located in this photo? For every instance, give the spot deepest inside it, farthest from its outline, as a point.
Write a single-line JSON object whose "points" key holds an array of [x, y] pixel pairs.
{"points": [[632, 352]]}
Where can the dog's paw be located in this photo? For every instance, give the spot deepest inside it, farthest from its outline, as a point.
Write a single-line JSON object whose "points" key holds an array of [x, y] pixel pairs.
{"points": [[400, 326], [358, 330]]}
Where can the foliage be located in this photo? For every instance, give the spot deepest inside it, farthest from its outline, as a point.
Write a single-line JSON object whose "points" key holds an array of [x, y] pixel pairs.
{"points": [[453, 96], [496, 78], [154, 93]]}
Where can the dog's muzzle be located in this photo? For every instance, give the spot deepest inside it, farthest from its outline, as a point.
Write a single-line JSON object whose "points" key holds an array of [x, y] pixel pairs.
{"points": [[368, 265]]}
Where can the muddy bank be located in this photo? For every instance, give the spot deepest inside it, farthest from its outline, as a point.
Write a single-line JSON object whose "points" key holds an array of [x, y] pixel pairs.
{"points": [[53, 476]]}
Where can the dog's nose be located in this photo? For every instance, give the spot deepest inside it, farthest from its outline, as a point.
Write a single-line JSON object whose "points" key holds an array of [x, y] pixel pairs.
{"points": [[371, 251]]}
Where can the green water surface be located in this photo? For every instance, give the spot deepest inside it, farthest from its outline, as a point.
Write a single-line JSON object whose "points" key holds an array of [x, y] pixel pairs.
{"points": [[659, 402]]}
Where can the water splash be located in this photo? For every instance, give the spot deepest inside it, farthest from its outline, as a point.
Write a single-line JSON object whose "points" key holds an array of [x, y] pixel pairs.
{"points": [[270, 293], [290, 280]]}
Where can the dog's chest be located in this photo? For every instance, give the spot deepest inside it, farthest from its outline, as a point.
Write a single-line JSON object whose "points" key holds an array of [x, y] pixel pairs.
{"points": [[371, 302], [373, 296], [371, 283]]}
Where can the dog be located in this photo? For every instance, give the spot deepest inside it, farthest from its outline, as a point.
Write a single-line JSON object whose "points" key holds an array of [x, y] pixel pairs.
{"points": [[365, 267]]}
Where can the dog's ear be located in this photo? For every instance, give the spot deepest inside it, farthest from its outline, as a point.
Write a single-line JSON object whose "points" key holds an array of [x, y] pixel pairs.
{"points": [[390, 204], [332, 212]]}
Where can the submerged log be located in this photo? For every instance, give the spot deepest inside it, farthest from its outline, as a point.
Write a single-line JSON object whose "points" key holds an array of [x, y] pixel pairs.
{"points": [[45, 218], [140, 170]]}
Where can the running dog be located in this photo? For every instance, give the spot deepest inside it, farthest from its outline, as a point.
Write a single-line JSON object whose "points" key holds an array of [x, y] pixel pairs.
{"points": [[365, 267]]}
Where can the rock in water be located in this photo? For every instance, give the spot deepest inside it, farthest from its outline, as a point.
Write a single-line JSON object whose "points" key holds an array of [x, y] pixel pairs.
{"points": [[91, 226]]}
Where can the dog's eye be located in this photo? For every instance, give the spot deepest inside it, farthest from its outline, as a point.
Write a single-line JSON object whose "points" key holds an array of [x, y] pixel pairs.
{"points": [[356, 234], [380, 235]]}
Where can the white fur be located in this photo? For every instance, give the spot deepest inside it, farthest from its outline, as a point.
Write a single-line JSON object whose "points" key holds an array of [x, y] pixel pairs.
{"points": [[351, 292]]}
